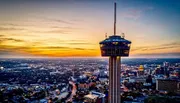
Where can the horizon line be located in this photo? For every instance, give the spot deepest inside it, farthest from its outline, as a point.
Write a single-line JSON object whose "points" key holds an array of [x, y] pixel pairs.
{"points": [[87, 57]]}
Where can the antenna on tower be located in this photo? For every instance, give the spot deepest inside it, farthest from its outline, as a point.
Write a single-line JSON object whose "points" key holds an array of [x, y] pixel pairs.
{"points": [[123, 35], [106, 35], [115, 18]]}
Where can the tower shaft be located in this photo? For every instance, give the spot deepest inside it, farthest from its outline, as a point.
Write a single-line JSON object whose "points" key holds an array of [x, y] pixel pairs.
{"points": [[114, 79]]}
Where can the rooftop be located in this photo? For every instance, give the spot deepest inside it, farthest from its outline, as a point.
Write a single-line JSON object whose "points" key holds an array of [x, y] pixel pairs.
{"points": [[115, 38]]}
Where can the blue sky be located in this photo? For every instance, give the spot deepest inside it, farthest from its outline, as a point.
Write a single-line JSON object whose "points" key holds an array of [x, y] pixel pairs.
{"points": [[50, 27]]}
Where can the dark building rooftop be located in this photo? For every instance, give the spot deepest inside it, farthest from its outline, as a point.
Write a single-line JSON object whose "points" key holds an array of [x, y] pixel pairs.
{"points": [[115, 38]]}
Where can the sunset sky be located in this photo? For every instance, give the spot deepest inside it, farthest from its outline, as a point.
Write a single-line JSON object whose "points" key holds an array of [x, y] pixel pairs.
{"points": [[74, 28]]}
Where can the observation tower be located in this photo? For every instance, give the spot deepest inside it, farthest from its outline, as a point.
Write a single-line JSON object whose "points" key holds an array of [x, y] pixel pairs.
{"points": [[115, 47]]}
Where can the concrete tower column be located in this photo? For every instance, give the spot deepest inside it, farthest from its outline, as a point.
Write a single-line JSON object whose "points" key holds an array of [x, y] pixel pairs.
{"points": [[114, 79]]}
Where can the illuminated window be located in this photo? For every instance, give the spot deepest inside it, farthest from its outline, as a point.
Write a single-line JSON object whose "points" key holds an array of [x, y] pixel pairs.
{"points": [[115, 43], [101, 45], [126, 51]]}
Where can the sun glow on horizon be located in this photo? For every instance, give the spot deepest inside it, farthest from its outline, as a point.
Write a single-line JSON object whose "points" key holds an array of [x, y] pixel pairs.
{"points": [[63, 29]]}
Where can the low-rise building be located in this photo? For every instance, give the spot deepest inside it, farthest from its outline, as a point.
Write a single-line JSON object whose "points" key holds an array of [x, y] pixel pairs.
{"points": [[93, 97], [168, 85]]}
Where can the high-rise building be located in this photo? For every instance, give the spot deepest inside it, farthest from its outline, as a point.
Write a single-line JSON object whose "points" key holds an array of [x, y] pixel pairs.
{"points": [[166, 67], [114, 47]]}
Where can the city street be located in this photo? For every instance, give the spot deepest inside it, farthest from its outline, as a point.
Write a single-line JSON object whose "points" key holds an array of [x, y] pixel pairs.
{"points": [[74, 89]]}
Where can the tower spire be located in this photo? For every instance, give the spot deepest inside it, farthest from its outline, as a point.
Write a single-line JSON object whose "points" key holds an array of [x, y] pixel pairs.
{"points": [[115, 18]]}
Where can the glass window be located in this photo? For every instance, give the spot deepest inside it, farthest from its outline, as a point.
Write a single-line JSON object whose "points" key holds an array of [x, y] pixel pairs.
{"points": [[126, 51], [115, 43], [101, 45]]}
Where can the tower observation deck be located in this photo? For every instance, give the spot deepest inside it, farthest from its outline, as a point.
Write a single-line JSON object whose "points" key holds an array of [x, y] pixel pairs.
{"points": [[114, 47]]}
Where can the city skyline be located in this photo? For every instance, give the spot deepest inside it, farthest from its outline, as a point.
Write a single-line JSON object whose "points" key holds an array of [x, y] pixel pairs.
{"points": [[73, 28]]}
